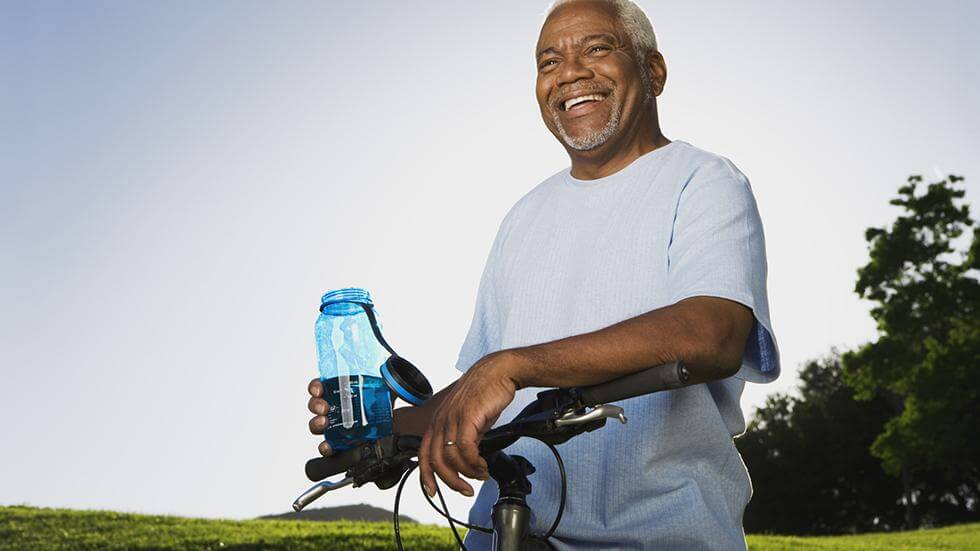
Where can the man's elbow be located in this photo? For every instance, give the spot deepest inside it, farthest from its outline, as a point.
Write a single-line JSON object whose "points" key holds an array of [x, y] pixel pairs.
{"points": [[728, 363], [730, 337], [724, 327]]}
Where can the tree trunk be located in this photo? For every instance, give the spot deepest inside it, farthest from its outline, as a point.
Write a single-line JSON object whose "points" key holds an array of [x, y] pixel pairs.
{"points": [[907, 488]]}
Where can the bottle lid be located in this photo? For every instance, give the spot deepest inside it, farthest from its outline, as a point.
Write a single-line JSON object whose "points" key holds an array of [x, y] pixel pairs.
{"points": [[405, 380]]}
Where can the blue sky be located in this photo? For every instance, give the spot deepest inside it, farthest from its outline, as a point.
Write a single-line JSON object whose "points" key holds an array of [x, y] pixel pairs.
{"points": [[181, 181]]}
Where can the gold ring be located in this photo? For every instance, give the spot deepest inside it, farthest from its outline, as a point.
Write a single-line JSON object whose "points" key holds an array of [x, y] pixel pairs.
{"points": [[450, 443]]}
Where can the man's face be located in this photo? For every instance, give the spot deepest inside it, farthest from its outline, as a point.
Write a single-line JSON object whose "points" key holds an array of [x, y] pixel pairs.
{"points": [[584, 56]]}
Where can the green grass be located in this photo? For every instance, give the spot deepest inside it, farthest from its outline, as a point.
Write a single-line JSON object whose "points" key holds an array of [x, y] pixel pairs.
{"points": [[44, 529], [963, 536]]}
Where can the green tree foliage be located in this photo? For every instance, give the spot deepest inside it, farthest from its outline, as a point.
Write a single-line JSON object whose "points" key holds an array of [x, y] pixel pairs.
{"points": [[809, 461], [825, 462], [926, 360]]}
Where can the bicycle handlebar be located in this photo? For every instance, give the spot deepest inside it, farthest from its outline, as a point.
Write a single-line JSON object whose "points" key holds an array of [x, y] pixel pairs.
{"points": [[538, 419], [390, 449], [321, 467], [663, 377]]}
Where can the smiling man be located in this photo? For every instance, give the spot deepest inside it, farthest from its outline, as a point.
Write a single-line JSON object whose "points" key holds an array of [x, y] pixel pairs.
{"points": [[644, 251]]}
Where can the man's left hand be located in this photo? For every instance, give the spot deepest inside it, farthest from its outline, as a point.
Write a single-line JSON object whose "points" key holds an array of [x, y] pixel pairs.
{"points": [[475, 402]]}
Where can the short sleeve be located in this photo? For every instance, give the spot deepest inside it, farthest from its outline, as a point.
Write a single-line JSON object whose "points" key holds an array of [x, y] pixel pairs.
{"points": [[483, 336], [717, 248]]}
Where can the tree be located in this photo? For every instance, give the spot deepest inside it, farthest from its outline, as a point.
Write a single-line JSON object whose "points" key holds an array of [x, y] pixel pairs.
{"points": [[809, 461], [926, 360]]}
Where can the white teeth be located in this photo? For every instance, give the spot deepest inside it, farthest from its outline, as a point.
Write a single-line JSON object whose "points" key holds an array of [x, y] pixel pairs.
{"points": [[575, 101]]}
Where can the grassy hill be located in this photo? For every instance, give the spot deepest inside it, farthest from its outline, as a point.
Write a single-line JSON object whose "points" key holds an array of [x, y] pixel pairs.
{"points": [[43, 529], [362, 512]]}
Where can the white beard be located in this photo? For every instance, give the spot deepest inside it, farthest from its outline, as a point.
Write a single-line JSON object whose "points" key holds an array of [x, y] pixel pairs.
{"points": [[590, 140]]}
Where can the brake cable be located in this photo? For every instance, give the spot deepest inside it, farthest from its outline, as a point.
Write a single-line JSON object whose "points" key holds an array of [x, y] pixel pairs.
{"points": [[445, 515], [398, 496], [564, 489], [445, 507], [444, 512]]}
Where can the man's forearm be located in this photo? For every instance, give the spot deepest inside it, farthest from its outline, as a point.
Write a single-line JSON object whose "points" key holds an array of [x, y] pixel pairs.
{"points": [[706, 333], [415, 419]]}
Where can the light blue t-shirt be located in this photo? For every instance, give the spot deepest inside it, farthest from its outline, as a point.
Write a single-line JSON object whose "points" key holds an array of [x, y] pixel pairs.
{"points": [[573, 256]]}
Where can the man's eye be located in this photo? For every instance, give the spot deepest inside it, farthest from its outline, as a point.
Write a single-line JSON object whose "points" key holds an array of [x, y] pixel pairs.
{"points": [[599, 48], [548, 62]]}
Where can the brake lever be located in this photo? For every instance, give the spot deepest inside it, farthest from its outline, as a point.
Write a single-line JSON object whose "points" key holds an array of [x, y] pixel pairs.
{"points": [[317, 490], [602, 411]]}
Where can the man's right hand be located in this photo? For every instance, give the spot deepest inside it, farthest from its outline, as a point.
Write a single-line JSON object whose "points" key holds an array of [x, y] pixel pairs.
{"points": [[405, 420], [318, 407]]}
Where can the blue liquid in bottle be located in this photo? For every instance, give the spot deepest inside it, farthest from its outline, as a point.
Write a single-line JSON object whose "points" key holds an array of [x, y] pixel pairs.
{"points": [[349, 358]]}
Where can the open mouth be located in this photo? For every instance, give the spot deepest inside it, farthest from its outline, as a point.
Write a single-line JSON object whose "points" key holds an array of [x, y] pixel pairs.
{"points": [[580, 105]]}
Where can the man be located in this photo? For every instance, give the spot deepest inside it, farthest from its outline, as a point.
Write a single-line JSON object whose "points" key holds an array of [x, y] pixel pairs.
{"points": [[644, 252]]}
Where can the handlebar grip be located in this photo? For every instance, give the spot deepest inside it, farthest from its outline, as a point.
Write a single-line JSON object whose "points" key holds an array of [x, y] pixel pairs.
{"points": [[661, 377], [321, 467], [382, 449]]}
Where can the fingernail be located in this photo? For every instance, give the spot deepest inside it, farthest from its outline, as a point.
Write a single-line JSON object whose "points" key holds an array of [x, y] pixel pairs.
{"points": [[429, 491], [467, 492]]}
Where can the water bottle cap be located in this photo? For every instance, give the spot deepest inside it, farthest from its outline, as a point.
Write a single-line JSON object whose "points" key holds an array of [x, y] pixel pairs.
{"points": [[406, 381]]}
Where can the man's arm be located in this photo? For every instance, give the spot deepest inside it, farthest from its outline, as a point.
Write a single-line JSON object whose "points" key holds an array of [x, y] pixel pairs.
{"points": [[415, 419], [706, 333]]}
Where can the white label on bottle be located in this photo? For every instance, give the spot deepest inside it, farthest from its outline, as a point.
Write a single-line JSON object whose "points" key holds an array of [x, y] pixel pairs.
{"points": [[346, 404], [360, 383]]}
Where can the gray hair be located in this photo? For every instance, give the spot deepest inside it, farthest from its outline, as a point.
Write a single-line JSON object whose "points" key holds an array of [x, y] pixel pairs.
{"points": [[635, 23]]}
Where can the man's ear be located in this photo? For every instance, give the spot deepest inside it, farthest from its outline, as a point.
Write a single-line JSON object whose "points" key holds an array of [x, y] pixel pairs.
{"points": [[658, 72]]}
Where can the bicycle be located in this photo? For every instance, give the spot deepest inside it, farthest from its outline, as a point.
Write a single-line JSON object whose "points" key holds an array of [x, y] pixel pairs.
{"points": [[554, 417]]}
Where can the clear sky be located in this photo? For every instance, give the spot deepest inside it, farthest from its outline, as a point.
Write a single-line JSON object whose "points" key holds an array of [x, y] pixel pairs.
{"points": [[182, 180]]}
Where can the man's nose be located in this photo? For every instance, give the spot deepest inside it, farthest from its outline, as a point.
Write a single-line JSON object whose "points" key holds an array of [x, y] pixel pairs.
{"points": [[571, 70]]}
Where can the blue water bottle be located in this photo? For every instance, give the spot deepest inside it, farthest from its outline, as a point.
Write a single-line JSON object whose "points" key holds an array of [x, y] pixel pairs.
{"points": [[350, 359]]}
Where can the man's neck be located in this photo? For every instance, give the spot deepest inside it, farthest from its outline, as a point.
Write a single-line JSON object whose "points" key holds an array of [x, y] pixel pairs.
{"points": [[636, 140], [610, 158]]}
